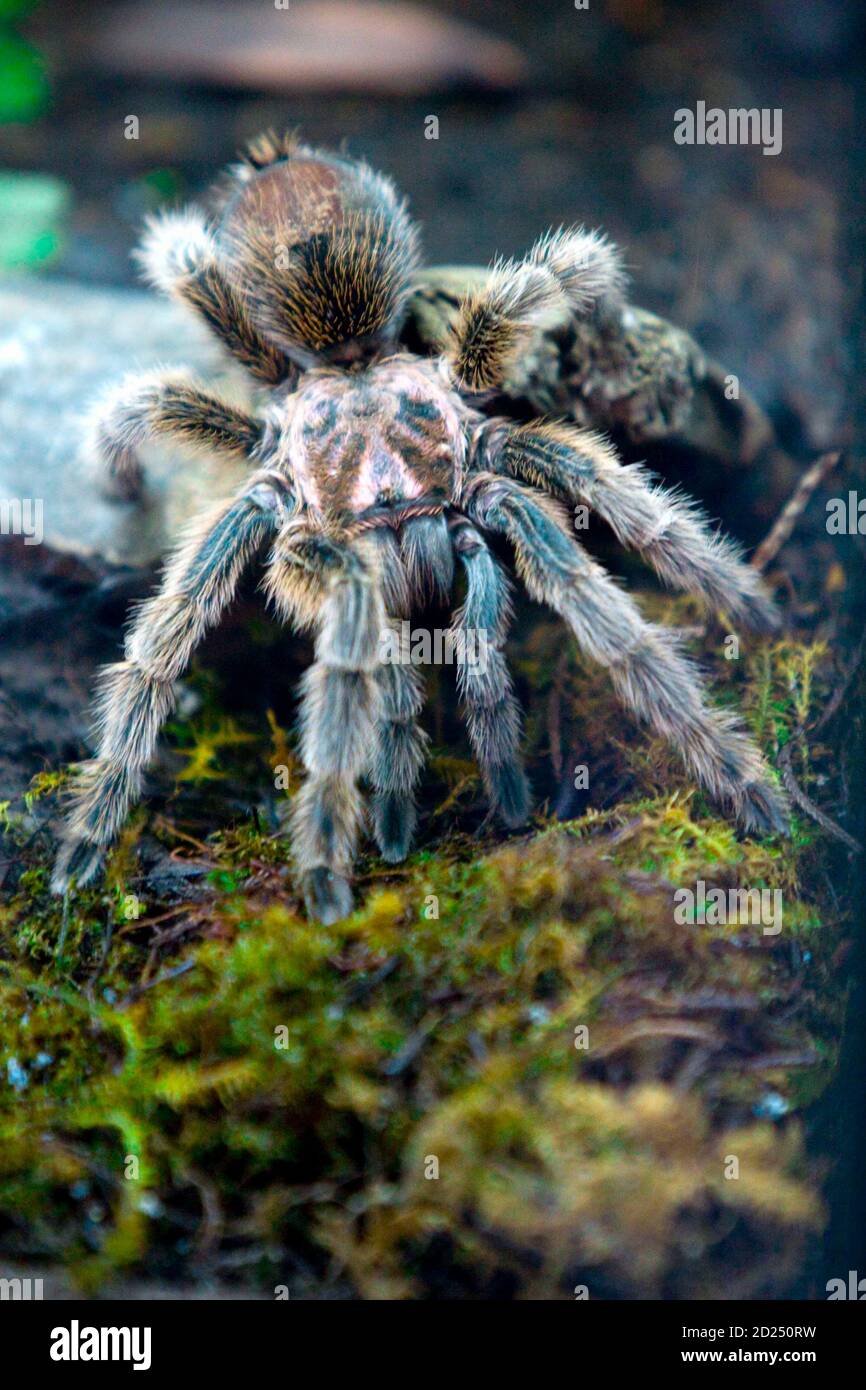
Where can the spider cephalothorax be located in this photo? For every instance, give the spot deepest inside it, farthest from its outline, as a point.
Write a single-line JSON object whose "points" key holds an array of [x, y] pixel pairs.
{"points": [[374, 474]]}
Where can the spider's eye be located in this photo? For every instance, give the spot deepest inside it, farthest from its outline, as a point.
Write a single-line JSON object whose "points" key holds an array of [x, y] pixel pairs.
{"points": [[354, 352]]}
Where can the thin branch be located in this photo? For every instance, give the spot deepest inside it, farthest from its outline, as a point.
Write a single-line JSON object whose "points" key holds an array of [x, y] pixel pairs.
{"points": [[793, 510]]}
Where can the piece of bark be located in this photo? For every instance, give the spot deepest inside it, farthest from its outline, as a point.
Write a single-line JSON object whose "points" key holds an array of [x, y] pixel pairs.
{"points": [[378, 46], [636, 376]]}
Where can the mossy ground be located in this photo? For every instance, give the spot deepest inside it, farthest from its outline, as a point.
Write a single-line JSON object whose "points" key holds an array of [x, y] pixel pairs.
{"points": [[405, 1104]]}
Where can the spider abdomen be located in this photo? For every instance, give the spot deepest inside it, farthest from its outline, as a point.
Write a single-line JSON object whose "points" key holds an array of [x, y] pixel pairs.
{"points": [[320, 250]]}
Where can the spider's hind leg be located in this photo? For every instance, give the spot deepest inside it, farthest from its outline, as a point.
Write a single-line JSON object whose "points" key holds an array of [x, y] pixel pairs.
{"points": [[401, 744], [493, 715], [648, 672], [571, 271]]}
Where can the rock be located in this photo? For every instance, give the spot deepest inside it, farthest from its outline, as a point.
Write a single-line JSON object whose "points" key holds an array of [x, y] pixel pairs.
{"points": [[60, 346]]}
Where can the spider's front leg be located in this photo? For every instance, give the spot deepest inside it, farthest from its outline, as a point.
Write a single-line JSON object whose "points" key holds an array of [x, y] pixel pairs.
{"points": [[571, 271], [136, 695], [649, 673], [334, 585], [667, 530], [166, 405]]}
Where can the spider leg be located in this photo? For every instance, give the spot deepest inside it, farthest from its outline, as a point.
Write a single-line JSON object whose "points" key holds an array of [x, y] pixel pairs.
{"points": [[136, 695], [493, 715], [401, 744], [167, 405], [668, 530], [428, 558], [335, 585], [179, 256], [649, 673], [566, 272], [400, 749]]}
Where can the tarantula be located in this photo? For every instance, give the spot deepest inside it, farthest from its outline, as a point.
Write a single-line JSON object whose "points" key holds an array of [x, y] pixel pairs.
{"points": [[371, 469]]}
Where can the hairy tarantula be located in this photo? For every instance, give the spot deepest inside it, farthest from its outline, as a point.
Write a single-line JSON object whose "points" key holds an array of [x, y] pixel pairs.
{"points": [[371, 469]]}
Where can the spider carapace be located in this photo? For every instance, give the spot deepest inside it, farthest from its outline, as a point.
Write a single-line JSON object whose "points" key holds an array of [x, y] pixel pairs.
{"points": [[376, 476]]}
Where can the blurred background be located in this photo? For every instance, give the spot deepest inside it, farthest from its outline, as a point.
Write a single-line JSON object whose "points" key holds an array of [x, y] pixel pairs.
{"points": [[497, 120]]}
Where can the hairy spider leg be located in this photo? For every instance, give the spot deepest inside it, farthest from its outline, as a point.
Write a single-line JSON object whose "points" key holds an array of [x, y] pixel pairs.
{"points": [[136, 695], [162, 405], [492, 712], [649, 673], [667, 529], [401, 744], [179, 256], [335, 584], [570, 271]]}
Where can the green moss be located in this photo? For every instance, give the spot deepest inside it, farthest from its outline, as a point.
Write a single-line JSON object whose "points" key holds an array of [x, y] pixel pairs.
{"points": [[220, 1085]]}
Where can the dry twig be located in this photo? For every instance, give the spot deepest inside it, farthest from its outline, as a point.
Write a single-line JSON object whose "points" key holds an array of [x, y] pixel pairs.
{"points": [[793, 510]]}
